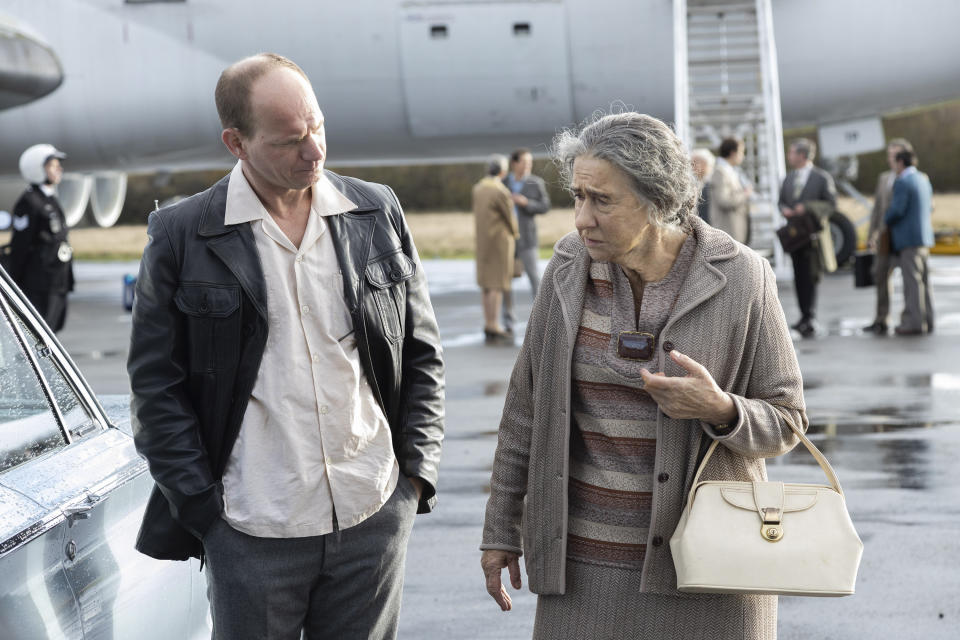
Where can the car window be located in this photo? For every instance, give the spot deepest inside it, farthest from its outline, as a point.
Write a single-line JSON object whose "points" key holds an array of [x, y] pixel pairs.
{"points": [[28, 427], [77, 420]]}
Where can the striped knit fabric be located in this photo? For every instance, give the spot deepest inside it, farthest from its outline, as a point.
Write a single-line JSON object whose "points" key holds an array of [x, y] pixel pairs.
{"points": [[613, 439]]}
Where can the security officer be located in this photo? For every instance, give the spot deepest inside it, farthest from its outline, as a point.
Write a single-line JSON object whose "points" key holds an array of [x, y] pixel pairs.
{"points": [[40, 259]]}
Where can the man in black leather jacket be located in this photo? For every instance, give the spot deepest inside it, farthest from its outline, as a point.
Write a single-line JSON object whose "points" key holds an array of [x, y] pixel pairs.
{"points": [[211, 335]]}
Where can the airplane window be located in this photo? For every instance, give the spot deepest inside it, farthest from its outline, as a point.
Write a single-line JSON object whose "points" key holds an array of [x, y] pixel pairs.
{"points": [[28, 427], [521, 28], [438, 31], [77, 420]]}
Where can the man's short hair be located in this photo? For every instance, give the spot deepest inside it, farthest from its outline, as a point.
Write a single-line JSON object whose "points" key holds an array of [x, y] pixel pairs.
{"points": [[519, 153], [233, 88], [496, 164], [905, 157], [805, 147], [729, 147], [903, 144]]}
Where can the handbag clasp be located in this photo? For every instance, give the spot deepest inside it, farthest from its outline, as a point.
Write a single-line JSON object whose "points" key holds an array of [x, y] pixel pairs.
{"points": [[772, 529]]}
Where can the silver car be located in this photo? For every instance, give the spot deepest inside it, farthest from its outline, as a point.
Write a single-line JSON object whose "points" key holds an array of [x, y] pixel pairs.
{"points": [[72, 492]]}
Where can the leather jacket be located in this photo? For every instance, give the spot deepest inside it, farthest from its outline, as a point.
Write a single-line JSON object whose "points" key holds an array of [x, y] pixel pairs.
{"points": [[199, 332]]}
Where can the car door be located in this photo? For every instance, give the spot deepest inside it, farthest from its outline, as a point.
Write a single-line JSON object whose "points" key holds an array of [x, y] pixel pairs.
{"points": [[99, 486], [36, 600]]}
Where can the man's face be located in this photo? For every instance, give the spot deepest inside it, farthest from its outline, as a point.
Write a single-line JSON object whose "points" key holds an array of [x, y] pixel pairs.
{"points": [[796, 159], [288, 144], [54, 171], [892, 156], [523, 166]]}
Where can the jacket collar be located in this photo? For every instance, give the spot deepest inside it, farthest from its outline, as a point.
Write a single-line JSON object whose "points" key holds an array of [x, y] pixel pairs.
{"points": [[236, 247], [703, 280]]}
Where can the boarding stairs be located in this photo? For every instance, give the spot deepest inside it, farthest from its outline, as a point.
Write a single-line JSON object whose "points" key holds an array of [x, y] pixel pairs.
{"points": [[726, 83]]}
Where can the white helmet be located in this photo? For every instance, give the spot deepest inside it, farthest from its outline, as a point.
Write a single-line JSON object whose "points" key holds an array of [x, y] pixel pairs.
{"points": [[33, 160]]}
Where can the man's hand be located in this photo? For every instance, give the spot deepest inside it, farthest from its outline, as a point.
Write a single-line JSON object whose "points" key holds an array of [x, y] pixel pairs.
{"points": [[493, 562], [786, 211], [519, 199], [417, 485], [695, 395]]}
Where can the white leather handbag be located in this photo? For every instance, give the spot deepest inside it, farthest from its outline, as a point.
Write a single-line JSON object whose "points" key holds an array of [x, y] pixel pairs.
{"points": [[767, 537]]}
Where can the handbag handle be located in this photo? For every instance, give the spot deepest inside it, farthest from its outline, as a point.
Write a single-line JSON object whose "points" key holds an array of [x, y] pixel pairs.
{"points": [[819, 457]]}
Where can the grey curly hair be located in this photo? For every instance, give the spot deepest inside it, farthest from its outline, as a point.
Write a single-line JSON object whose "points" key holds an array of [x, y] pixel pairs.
{"points": [[646, 150]]}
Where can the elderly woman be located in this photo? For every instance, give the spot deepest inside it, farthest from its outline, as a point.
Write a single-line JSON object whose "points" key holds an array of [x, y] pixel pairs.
{"points": [[652, 336]]}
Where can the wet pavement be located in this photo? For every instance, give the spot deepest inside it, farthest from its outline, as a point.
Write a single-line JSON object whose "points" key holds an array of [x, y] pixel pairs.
{"points": [[883, 409]]}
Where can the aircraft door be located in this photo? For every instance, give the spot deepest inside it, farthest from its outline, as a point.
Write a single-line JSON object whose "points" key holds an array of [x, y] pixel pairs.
{"points": [[485, 68]]}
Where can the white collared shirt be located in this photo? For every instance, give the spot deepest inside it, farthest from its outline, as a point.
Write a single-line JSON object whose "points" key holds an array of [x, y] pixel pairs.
{"points": [[314, 445], [803, 174]]}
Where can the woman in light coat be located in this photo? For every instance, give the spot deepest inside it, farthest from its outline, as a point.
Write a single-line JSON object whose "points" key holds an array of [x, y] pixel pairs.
{"points": [[496, 234], [652, 336]]}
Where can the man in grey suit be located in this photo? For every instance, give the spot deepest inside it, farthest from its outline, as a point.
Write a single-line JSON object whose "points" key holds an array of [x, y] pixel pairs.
{"points": [[803, 185], [530, 199], [911, 236], [878, 237]]}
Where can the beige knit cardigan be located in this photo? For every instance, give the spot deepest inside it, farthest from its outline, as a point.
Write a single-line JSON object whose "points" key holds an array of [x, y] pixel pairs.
{"points": [[728, 318]]}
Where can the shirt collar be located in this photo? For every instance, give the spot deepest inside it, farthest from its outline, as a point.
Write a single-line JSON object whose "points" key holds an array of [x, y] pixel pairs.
{"points": [[47, 190], [243, 205], [907, 171]]}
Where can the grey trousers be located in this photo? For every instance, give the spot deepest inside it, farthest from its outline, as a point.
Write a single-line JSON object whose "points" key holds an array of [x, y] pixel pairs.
{"points": [[529, 259], [342, 585], [883, 265], [917, 297]]}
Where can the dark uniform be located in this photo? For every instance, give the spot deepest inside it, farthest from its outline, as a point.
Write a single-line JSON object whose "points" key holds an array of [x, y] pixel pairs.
{"points": [[40, 259]]}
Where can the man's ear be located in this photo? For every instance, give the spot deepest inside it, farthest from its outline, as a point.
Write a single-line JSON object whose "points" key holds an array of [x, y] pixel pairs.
{"points": [[234, 142]]}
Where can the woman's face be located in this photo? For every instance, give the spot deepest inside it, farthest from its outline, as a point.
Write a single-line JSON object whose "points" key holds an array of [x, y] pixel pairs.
{"points": [[609, 217]]}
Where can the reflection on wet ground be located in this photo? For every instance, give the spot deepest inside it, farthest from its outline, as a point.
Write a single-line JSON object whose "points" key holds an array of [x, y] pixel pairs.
{"points": [[873, 456]]}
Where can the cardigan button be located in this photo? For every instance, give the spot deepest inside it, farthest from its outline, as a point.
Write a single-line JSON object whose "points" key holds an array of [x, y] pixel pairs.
{"points": [[657, 541], [668, 346], [663, 477]]}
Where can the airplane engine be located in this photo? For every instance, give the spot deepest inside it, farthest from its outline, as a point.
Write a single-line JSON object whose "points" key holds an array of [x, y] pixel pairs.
{"points": [[107, 196], [74, 194]]}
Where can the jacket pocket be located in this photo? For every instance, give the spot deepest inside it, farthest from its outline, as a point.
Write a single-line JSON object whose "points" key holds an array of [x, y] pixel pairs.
{"points": [[388, 276], [213, 324]]}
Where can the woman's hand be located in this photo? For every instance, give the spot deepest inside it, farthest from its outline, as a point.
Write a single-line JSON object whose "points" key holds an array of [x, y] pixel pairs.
{"points": [[493, 562], [695, 395]]}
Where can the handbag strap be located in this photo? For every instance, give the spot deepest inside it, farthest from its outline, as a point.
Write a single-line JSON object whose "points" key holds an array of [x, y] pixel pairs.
{"points": [[819, 457]]}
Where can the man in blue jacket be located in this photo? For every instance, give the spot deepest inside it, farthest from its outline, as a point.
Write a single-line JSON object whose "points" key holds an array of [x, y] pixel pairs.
{"points": [[911, 236]]}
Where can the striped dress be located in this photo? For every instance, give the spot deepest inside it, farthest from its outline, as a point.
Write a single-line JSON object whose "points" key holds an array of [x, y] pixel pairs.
{"points": [[612, 459]]}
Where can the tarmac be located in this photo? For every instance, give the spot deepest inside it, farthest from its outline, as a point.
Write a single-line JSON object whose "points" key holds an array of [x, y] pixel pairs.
{"points": [[884, 410]]}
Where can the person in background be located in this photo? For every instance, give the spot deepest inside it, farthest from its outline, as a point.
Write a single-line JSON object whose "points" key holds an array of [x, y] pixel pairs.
{"points": [[878, 238], [41, 259], [729, 198], [530, 199], [911, 236], [806, 183], [496, 233], [287, 377], [703, 163], [631, 365]]}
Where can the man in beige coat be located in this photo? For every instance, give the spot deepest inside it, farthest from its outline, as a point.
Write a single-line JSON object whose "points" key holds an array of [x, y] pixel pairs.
{"points": [[496, 233], [729, 199], [879, 237]]}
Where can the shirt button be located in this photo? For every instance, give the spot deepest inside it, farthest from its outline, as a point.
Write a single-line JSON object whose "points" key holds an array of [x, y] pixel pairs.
{"points": [[299, 259], [324, 410], [305, 308], [663, 477], [316, 357], [657, 541], [668, 346]]}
